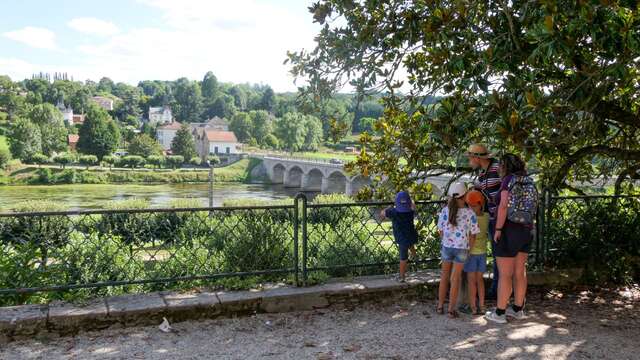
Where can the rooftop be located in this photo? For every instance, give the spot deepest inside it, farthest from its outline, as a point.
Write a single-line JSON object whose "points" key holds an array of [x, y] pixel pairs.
{"points": [[221, 136], [171, 126]]}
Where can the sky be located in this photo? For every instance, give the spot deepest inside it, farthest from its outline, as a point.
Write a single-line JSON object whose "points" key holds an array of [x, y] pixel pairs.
{"points": [[241, 41]]}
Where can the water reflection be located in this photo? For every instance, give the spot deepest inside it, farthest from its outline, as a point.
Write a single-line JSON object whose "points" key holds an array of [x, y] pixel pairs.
{"points": [[82, 196]]}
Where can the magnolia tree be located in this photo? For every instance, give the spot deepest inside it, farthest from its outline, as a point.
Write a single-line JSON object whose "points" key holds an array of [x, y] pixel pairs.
{"points": [[555, 81]]}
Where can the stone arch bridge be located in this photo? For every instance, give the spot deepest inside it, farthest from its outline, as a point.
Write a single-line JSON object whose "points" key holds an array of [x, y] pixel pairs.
{"points": [[323, 176]]}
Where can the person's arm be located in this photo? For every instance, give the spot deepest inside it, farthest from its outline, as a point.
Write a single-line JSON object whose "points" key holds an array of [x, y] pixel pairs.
{"points": [[383, 213], [502, 214], [472, 241]]}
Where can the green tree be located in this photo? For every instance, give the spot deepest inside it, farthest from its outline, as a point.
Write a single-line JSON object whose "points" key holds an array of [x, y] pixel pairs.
{"points": [[64, 159], [241, 125], [40, 159], [99, 135], [209, 86], [156, 160], [337, 130], [271, 141], [196, 161], [367, 124], [183, 143], [10, 99], [145, 146], [188, 100], [52, 128], [261, 125], [133, 161], [555, 82], [111, 160], [175, 161], [268, 100], [25, 139], [223, 106], [88, 160], [313, 133], [291, 131]]}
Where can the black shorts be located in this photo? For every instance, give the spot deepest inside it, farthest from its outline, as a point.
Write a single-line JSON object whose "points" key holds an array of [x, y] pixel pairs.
{"points": [[515, 238]]}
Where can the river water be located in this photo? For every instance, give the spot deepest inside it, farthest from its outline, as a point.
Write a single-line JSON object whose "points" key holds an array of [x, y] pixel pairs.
{"points": [[83, 196]]}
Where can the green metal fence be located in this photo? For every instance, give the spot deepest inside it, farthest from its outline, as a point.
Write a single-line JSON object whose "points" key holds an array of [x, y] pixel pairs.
{"points": [[155, 249]]}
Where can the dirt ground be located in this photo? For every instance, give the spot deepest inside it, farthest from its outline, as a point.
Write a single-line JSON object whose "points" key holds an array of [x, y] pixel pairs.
{"points": [[578, 324]]}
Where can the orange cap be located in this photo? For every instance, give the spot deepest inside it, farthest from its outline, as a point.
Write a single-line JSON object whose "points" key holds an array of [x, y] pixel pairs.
{"points": [[474, 197]]}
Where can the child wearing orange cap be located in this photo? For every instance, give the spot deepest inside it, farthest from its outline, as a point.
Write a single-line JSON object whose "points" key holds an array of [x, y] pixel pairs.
{"points": [[476, 264]]}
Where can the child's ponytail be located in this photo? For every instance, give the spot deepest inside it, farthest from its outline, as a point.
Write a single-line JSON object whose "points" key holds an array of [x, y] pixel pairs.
{"points": [[453, 211]]}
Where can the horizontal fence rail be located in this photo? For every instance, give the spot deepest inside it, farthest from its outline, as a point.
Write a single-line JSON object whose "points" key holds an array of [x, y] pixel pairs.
{"points": [[103, 252]]}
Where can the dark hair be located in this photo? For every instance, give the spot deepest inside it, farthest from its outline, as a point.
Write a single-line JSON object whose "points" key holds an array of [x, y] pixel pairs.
{"points": [[512, 164], [453, 211]]}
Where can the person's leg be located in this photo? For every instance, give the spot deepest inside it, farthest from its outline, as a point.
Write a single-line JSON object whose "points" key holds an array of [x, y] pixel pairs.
{"points": [[412, 251], [493, 290], [505, 284], [520, 274], [403, 269], [473, 293], [455, 284], [444, 283], [480, 285]]}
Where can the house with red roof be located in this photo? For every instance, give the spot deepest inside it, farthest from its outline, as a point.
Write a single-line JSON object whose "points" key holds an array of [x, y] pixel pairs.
{"points": [[218, 142]]}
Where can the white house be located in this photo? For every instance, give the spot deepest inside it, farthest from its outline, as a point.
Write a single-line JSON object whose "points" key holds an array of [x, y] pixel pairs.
{"points": [[209, 141], [67, 113], [160, 115], [166, 133]]}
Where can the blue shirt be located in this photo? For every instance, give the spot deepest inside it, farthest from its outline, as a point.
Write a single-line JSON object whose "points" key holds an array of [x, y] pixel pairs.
{"points": [[404, 230]]}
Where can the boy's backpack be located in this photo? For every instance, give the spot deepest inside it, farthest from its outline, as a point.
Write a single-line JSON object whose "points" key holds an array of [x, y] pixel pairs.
{"points": [[523, 200]]}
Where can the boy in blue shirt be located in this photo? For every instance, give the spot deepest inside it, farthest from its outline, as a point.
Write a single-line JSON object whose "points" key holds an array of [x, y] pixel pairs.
{"points": [[404, 230]]}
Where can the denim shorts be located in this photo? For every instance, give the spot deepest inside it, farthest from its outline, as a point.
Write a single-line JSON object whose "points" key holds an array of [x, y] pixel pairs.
{"points": [[454, 255], [476, 263]]}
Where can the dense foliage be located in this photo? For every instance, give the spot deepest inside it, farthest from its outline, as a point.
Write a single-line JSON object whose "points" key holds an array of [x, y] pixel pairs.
{"points": [[555, 81]]}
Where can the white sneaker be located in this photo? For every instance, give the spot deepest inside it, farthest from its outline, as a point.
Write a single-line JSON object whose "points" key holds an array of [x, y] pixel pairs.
{"points": [[492, 316], [518, 315]]}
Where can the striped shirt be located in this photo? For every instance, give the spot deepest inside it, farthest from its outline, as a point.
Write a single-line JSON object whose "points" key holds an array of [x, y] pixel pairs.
{"points": [[488, 182]]}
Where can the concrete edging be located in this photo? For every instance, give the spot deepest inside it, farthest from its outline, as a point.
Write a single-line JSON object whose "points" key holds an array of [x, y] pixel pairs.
{"points": [[149, 309]]}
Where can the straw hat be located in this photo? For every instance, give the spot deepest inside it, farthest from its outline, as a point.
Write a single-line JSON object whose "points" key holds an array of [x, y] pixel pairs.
{"points": [[479, 151]]}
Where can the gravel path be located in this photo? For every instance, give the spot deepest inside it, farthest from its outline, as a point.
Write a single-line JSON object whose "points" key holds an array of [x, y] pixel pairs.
{"points": [[579, 325]]}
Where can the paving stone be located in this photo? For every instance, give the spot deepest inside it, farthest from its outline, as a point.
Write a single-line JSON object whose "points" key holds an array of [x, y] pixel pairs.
{"points": [[67, 317], [187, 306], [136, 309], [23, 320]]}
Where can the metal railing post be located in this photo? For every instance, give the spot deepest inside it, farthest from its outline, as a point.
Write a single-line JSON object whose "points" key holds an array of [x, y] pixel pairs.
{"points": [[296, 230], [305, 239]]}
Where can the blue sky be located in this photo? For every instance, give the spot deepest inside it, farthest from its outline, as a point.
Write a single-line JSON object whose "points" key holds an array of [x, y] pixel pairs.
{"points": [[132, 40]]}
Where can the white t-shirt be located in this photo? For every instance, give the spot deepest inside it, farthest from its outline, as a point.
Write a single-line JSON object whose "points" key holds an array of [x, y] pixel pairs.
{"points": [[458, 236]]}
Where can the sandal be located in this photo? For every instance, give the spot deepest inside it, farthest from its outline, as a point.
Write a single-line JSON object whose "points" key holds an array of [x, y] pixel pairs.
{"points": [[453, 314], [440, 310]]}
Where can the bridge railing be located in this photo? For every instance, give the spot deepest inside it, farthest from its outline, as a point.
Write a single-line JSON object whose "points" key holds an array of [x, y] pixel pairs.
{"points": [[61, 255]]}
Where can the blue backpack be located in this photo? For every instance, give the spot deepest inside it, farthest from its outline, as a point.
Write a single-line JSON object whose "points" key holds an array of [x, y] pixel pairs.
{"points": [[523, 200]]}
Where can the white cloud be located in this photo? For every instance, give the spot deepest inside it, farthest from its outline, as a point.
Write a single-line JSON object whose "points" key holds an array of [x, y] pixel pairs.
{"points": [[36, 37], [93, 26]]}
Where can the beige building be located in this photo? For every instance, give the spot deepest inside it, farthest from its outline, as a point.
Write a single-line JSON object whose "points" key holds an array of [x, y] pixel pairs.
{"points": [[104, 102]]}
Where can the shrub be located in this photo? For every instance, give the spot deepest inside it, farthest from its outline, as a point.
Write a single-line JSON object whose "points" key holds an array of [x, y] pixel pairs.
{"points": [[599, 235], [156, 160], [195, 161], [133, 161], [88, 160], [5, 154], [175, 161], [112, 160], [64, 159], [40, 159], [130, 228], [213, 160]]}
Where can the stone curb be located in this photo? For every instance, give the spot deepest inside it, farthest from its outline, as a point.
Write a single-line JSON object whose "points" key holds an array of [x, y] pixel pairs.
{"points": [[149, 309]]}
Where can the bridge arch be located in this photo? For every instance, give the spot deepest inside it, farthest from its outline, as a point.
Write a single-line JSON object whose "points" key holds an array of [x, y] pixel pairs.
{"points": [[278, 173], [358, 182], [312, 180], [336, 182], [293, 177]]}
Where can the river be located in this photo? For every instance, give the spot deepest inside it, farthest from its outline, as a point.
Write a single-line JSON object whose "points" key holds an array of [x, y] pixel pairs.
{"points": [[84, 197]]}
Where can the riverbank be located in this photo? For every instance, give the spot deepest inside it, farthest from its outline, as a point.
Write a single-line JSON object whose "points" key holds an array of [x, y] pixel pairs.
{"points": [[238, 172]]}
